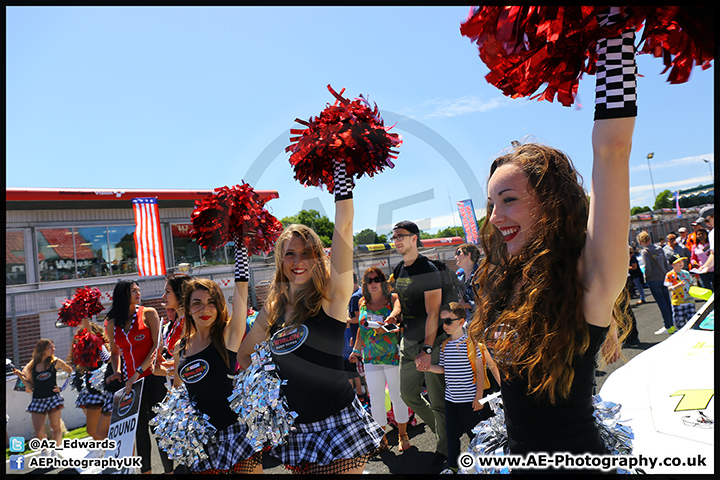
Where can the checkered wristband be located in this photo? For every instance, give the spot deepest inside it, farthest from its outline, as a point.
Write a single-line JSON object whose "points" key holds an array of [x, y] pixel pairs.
{"points": [[343, 182], [242, 266], [616, 84]]}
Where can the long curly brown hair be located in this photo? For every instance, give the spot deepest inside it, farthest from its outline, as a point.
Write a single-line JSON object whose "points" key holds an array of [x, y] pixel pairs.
{"points": [[544, 324], [308, 298]]}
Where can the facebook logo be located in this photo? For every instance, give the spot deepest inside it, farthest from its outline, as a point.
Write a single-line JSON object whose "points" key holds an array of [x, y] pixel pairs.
{"points": [[17, 462]]}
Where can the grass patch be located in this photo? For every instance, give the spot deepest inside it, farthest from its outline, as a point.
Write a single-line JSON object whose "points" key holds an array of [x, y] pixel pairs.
{"points": [[77, 433]]}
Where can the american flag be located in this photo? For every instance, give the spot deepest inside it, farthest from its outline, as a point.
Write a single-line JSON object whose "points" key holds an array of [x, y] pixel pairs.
{"points": [[148, 239]]}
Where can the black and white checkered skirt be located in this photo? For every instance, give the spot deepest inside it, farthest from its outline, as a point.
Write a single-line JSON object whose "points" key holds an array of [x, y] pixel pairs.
{"points": [[228, 447], [350, 433], [87, 398], [42, 405]]}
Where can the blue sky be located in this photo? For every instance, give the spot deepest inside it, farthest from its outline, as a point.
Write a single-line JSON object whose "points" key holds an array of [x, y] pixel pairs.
{"points": [[203, 97]]}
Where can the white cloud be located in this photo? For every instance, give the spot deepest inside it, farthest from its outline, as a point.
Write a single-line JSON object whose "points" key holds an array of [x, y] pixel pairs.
{"points": [[443, 107], [677, 162], [643, 194]]}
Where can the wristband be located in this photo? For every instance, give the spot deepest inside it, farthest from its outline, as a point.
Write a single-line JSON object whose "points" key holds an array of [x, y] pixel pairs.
{"points": [[616, 84], [242, 268], [139, 370], [356, 351], [427, 349], [343, 183]]}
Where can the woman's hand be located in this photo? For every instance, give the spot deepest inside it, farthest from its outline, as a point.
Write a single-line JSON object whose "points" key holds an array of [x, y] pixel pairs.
{"points": [[56, 389], [114, 376]]}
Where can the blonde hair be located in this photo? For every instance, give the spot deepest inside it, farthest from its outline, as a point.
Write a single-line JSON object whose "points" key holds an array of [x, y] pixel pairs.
{"points": [[643, 237], [308, 298]]}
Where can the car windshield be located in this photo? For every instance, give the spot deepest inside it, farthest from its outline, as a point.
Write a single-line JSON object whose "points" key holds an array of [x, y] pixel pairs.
{"points": [[707, 323]]}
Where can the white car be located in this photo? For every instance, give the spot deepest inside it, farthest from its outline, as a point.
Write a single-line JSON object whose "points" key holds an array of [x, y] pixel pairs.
{"points": [[667, 395]]}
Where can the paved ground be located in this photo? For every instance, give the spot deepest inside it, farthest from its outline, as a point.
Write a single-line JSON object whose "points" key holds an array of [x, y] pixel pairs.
{"points": [[419, 459]]}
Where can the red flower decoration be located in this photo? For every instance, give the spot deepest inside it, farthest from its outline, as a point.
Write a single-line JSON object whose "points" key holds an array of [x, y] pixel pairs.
{"points": [[526, 47], [235, 211], [85, 303], [347, 130], [86, 349]]}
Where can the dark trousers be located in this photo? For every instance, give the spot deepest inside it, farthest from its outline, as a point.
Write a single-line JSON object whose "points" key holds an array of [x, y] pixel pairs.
{"points": [[662, 298], [459, 418], [707, 280], [153, 393]]}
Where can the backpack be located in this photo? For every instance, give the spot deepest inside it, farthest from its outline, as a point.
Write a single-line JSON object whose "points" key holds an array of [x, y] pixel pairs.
{"points": [[472, 357], [449, 282]]}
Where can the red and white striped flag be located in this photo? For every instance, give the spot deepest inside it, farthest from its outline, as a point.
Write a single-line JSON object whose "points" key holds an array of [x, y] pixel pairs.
{"points": [[148, 239]]}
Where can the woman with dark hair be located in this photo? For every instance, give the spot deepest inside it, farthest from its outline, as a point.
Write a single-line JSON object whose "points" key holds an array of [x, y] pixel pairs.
{"points": [[97, 405], [303, 321], [555, 266], [132, 332], [172, 329], [699, 255], [40, 377], [206, 359], [378, 349], [467, 257]]}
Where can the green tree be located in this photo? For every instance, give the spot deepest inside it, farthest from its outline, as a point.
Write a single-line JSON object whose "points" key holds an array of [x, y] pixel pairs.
{"points": [[450, 232], [665, 199], [636, 210], [312, 218], [366, 236]]}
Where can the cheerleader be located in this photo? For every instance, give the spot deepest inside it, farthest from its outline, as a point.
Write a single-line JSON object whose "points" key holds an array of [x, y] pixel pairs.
{"points": [[206, 363], [88, 354], [304, 321], [173, 329], [132, 332], [40, 377]]}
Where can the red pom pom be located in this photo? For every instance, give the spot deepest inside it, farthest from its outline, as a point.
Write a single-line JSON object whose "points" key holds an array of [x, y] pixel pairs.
{"points": [[349, 131], [85, 303], [86, 349], [526, 47], [235, 211]]}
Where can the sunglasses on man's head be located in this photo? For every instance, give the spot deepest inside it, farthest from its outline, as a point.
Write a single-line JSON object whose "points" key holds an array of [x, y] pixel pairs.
{"points": [[449, 321], [374, 280]]}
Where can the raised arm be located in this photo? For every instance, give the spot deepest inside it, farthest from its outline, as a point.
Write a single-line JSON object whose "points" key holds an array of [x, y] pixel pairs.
{"points": [[235, 329], [603, 264], [341, 258]]}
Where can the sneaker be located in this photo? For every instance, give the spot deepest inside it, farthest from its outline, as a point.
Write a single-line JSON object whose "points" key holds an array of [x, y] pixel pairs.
{"points": [[661, 331], [672, 329]]}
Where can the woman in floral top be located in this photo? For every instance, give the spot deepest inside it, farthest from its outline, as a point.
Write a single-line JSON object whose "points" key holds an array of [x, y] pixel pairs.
{"points": [[378, 349]]}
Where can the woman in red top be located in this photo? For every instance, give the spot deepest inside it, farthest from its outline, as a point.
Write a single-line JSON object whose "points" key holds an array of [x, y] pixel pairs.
{"points": [[132, 331]]}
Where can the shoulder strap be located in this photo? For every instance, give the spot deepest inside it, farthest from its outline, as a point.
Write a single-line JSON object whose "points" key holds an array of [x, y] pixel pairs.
{"points": [[445, 342]]}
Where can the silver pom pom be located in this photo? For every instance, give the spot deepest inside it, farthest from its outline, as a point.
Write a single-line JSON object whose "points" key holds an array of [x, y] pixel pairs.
{"points": [[182, 431], [259, 403], [97, 378]]}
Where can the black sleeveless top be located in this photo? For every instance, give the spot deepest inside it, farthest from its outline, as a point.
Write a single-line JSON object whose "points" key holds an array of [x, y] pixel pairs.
{"points": [[535, 425], [209, 383], [310, 358], [44, 382]]}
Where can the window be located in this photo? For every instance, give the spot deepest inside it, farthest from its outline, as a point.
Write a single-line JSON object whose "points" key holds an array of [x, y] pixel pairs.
{"points": [[185, 250], [56, 254], [122, 255], [15, 257], [91, 252], [85, 252]]}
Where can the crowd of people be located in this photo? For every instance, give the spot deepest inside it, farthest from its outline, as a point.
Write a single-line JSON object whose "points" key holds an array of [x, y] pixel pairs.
{"points": [[530, 318]]}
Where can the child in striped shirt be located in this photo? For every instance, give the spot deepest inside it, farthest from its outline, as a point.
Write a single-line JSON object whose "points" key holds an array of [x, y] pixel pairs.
{"points": [[462, 365]]}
